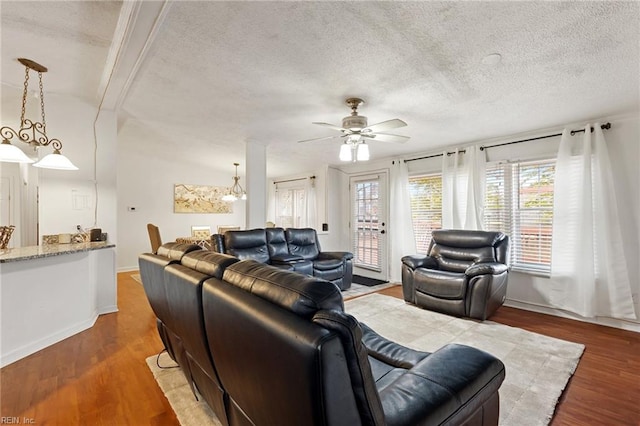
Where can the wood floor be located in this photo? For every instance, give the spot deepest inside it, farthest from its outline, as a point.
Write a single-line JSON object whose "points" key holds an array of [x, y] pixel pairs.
{"points": [[99, 377]]}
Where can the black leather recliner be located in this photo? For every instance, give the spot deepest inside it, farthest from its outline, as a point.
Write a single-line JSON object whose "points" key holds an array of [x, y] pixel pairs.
{"points": [[465, 273], [151, 267], [184, 298], [334, 266]]}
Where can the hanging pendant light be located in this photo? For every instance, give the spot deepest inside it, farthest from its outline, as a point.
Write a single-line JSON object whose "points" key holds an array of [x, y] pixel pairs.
{"points": [[31, 132], [235, 191]]}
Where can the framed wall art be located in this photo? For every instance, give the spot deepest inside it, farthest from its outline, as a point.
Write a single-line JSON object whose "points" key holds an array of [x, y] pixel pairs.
{"points": [[199, 199]]}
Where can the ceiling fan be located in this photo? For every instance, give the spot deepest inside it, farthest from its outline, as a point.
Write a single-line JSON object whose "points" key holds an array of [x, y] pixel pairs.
{"points": [[355, 127]]}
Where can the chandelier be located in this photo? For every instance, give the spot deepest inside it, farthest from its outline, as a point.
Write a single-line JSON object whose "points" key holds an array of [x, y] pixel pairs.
{"points": [[32, 132], [354, 149], [235, 191]]}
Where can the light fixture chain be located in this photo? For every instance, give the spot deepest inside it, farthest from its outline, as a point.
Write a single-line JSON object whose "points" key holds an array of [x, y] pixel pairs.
{"points": [[44, 123], [24, 95]]}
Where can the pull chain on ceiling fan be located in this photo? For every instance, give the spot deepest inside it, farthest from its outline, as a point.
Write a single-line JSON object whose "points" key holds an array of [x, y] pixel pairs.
{"points": [[356, 131]]}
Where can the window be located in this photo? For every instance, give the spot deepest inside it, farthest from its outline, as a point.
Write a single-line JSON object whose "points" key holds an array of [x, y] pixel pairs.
{"points": [[366, 240], [291, 207], [426, 207], [519, 202]]}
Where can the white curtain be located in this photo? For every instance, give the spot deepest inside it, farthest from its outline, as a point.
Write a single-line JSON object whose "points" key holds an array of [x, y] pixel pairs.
{"points": [[271, 202], [463, 178], [402, 238], [311, 206], [589, 273]]}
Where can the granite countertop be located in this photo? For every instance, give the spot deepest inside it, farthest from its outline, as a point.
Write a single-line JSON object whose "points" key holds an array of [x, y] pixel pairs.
{"points": [[37, 252]]}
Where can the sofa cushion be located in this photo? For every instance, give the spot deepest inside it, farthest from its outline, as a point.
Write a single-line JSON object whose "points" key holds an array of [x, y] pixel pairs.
{"points": [[327, 264], [302, 241], [297, 293], [276, 242], [250, 244], [442, 284]]}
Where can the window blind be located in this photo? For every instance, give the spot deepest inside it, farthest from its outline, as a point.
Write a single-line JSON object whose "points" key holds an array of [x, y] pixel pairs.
{"points": [[426, 207], [519, 202]]}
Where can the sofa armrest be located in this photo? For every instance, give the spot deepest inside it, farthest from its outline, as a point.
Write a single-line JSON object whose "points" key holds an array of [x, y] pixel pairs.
{"points": [[486, 268], [447, 386], [390, 352], [342, 255], [416, 261]]}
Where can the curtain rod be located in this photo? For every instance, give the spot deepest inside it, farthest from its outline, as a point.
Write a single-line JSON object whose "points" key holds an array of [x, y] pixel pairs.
{"points": [[462, 151], [292, 180], [605, 126]]}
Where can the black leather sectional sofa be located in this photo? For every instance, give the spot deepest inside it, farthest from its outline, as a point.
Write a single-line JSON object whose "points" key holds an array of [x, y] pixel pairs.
{"points": [[295, 249], [266, 346]]}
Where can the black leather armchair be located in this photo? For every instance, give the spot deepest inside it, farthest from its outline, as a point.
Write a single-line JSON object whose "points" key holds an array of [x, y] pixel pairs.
{"points": [[465, 273]]}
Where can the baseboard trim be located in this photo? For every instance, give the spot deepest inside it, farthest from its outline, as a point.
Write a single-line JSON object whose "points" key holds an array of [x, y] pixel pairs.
{"points": [[33, 347], [608, 322]]}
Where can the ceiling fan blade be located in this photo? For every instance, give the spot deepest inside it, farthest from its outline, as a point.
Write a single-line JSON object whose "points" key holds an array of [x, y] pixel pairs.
{"points": [[320, 139], [331, 126], [384, 126], [385, 137]]}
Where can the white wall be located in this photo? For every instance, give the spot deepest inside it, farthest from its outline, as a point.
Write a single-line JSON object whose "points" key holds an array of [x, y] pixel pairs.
{"points": [[85, 197], [146, 181]]}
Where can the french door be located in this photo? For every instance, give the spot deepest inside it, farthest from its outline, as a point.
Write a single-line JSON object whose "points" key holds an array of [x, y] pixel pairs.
{"points": [[368, 225]]}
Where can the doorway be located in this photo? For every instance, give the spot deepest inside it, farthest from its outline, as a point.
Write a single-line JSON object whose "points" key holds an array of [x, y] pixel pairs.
{"points": [[368, 225]]}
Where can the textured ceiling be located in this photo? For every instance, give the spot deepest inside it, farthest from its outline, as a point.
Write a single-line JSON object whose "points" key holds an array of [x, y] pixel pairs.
{"points": [[219, 75]]}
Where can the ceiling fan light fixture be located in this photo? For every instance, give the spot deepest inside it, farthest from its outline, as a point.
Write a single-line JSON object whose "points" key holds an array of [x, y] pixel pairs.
{"points": [[362, 152], [355, 129], [345, 152]]}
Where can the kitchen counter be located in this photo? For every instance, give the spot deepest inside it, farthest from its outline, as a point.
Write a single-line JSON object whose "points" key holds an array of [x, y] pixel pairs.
{"points": [[35, 252], [51, 292]]}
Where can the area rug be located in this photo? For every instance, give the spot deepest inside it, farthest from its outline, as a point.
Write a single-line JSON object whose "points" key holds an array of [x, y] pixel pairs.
{"points": [[357, 290], [538, 367]]}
